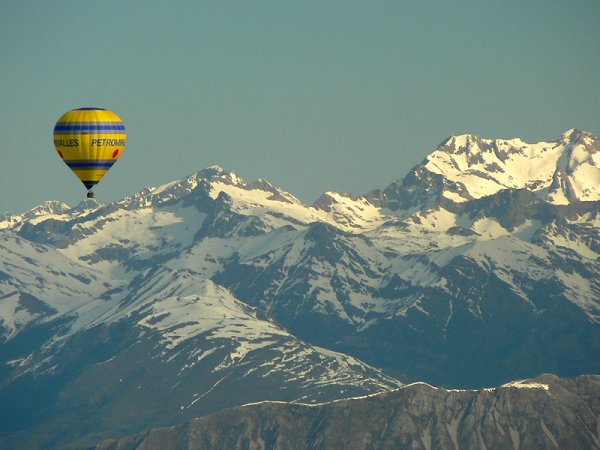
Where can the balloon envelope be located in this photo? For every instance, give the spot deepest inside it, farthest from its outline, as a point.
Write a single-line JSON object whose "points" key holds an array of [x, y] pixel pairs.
{"points": [[89, 141]]}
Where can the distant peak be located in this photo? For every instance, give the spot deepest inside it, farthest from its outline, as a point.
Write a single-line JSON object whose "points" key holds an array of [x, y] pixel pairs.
{"points": [[88, 204], [570, 132], [575, 134], [48, 207], [467, 137], [54, 206], [212, 171], [459, 141], [481, 167], [218, 173]]}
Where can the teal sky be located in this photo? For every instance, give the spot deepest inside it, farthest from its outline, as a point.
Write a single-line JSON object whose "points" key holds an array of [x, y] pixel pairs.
{"points": [[313, 96]]}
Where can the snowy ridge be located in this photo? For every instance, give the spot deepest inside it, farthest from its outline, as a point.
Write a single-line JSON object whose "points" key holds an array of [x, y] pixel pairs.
{"points": [[38, 283], [526, 384], [213, 311], [519, 384], [567, 168]]}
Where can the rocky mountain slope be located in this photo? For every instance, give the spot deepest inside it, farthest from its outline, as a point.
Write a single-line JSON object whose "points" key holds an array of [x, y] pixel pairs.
{"points": [[481, 266], [166, 346], [546, 412]]}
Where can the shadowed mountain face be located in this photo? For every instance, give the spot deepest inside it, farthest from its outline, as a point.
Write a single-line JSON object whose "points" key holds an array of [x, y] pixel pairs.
{"points": [[481, 266], [546, 412]]}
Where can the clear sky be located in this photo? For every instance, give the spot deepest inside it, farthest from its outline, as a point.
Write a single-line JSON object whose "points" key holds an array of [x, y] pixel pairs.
{"points": [[310, 95]]}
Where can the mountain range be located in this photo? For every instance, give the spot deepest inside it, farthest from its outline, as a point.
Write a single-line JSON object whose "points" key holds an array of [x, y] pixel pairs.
{"points": [[479, 267], [542, 413]]}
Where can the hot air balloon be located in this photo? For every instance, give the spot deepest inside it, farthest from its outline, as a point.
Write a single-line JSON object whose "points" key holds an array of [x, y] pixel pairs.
{"points": [[89, 141]]}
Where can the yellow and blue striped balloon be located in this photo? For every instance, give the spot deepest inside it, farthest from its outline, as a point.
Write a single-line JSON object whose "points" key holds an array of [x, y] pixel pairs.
{"points": [[89, 141]]}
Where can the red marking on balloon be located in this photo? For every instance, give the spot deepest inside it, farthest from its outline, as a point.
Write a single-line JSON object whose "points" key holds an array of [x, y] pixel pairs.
{"points": [[115, 153], [60, 153]]}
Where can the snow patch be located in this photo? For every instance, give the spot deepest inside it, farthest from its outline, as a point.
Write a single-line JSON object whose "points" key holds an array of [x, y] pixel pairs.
{"points": [[526, 384]]}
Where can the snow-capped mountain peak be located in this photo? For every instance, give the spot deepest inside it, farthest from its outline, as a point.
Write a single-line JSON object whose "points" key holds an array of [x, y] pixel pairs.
{"points": [[218, 173], [475, 167], [48, 208]]}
